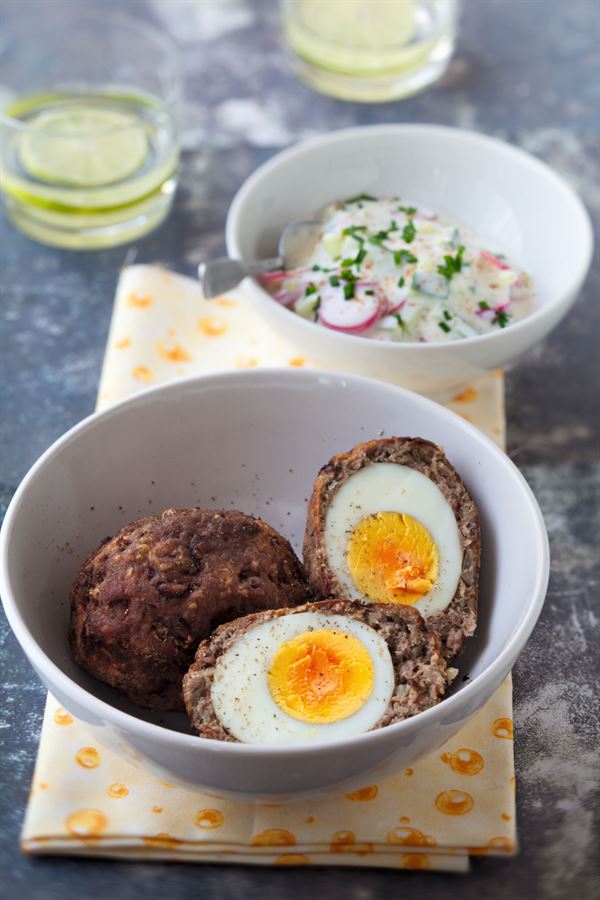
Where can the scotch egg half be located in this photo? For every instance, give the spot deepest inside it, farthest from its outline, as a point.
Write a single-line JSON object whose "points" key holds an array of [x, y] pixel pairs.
{"points": [[321, 672], [392, 522]]}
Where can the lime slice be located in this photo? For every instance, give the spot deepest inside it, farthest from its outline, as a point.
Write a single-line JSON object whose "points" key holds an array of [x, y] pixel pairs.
{"points": [[375, 24], [83, 146]]}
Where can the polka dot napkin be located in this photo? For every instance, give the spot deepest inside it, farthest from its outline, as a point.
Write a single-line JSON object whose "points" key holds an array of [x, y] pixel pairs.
{"points": [[87, 800]]}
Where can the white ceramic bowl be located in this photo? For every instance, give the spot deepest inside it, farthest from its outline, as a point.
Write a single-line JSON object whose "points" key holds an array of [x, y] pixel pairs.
{"points": [[253, 440], [519, 203]]}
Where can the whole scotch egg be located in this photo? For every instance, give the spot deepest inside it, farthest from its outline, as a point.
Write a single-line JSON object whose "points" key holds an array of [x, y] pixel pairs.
{"points": [[391, 521], [323, 671]]}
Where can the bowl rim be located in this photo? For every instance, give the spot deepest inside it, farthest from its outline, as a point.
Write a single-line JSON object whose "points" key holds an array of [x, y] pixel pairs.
{"points": [[487, 143], [128, 722]]}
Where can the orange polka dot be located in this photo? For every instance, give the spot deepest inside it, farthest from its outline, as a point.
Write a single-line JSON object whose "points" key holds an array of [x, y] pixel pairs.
{"points": [[139, 301], [162, 840], [142, 373], [123, 343], [410, 837], [503, 844], [409, 772], [464, 761], [503, 728], [273, 837], [62, 717], [506, 817], [513, 783], [157, 809], [224, 301], [309, 820], [117, 791], [88, 757], [212, 326], [86, 824], [466, 396], [404, 819], [297, 361], [173, 352], [209, 818], [291, 859], [168, 784], [416, 861], [345, 842], [454, 803], [246, 362], [366, 793], [43, 785]]}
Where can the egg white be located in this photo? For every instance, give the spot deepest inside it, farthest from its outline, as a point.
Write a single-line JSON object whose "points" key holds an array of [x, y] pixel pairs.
{"points": [[390, 487], [240, 692]]}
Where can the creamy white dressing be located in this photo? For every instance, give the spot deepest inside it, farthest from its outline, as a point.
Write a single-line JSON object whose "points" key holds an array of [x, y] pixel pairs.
{"points": [[391, 271]]}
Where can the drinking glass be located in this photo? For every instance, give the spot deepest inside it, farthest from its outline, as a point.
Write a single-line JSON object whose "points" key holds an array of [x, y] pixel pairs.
{"points": [[370, 50], [88, 112]]}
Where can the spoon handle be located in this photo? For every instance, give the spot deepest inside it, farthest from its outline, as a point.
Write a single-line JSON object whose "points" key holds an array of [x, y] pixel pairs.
{"points": [[220, 275]]}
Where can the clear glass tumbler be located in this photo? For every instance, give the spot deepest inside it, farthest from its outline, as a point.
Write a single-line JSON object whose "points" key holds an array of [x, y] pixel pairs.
{"points": [[89, 146], [370, 50]]}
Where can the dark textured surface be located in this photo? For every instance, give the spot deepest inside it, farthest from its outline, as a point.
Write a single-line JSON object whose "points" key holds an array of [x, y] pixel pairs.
{"points": [[525, 70]]}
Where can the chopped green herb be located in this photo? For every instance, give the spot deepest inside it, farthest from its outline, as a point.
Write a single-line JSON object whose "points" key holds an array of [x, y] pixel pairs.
{"points": [[316, 268], [501, 318], [360, 256], [334, 281], [378, 238], [452, 264], [316, 309], [483, 304], [398, 319], [346, 262], [408, 232], [447, 315], [401, 281], [311, 289], [369, 293], [349, 291], [408, 210], [444, 327], [393, 226], [351, 231], [360, 197], [404, 256], [348, 275]]}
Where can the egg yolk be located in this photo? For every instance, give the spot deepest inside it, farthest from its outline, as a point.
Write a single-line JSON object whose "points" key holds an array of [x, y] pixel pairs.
{"points": [[392, 558], [321, 676]]}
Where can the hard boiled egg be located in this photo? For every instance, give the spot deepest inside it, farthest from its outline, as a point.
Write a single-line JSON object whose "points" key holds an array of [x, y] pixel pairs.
{"points": [[303, 678], [392, 537]]}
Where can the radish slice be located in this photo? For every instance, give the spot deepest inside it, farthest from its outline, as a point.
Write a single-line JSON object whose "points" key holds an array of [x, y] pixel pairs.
{"points": [[268, 277], [351, 316], [395, 306], [489, 257]]}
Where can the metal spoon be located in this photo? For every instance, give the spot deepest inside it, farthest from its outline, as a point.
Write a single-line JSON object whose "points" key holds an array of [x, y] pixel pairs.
{"points": [[220, 275]]}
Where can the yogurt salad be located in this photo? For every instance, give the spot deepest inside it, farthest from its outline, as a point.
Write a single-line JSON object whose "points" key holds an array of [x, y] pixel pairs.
{"points": [[390, 271]]}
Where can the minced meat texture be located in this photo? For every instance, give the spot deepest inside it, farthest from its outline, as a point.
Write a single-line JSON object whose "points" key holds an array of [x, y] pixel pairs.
{"points": [[145, 598], [458, 621], [421, 674]]}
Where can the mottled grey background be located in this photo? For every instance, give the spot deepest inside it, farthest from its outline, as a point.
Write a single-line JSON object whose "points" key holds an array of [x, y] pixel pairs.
{"points": [[525, 70]]}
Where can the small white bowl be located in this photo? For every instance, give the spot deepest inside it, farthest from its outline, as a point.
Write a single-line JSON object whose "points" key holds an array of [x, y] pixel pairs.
{"points": [[517, 202], [255, 441]]}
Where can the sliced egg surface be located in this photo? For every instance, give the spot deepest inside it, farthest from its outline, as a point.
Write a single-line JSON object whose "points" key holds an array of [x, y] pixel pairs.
{"points": [[303, 679], [391, 537]]}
